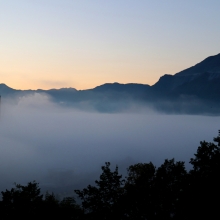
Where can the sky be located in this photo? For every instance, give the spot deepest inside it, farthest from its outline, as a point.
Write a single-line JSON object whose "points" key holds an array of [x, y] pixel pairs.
{"points": [[82, 44]]}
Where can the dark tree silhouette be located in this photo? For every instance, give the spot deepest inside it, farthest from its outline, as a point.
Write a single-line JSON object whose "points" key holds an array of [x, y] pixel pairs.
{"points": [[22, 201], [152, 193], [203, 190], [26, 202], [137, 201], [167, 192], [100, 201], [69, 209], [169, 186], [50, 208]]}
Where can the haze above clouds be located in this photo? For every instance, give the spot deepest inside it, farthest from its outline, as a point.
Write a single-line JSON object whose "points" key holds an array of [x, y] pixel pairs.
{"points": [[63, 148]]}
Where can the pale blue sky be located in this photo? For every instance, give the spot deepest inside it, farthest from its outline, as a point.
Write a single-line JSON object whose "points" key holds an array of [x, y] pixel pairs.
{"points": [[82, 44]]}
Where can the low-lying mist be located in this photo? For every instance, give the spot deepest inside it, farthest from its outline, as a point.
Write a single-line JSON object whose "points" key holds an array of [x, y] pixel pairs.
{"points": [[64, 148]]}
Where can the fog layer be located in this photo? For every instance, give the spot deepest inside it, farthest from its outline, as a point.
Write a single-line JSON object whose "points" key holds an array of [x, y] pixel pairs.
{"points": [[63, 149]]}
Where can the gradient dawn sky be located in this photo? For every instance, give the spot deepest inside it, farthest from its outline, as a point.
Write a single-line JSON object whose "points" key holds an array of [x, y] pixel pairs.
{"points": [[84, 43]]}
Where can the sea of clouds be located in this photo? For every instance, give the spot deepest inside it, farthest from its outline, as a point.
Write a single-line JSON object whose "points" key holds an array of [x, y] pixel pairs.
{"points": [[64, 148]]}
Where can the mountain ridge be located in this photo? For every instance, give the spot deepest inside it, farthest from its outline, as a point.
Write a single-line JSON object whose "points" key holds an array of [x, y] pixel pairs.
{"points": [[209, 69], [200, 83]]}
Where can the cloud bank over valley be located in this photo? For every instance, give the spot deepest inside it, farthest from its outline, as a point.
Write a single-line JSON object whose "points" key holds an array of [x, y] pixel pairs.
{"points": [[63, 148]]}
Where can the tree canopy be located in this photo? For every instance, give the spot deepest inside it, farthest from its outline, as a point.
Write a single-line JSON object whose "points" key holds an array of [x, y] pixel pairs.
{"points": [[147, 192]]}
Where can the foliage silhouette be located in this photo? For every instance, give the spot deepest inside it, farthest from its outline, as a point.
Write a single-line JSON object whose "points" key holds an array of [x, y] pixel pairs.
{"points": [[26, 202], [167, 192], [100, 201], [22, 201], [204, 182], [138, 191]]}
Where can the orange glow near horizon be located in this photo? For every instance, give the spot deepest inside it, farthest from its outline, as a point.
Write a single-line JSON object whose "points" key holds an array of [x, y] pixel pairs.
{"points": [[40, 75], [56, 44], [22, 81], [80, 73]]}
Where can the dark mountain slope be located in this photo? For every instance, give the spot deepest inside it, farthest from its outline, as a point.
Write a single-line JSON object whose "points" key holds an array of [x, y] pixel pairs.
{"points": [[7, 91], [201, 81], [117, 87], [210, 64], [194, 90]]}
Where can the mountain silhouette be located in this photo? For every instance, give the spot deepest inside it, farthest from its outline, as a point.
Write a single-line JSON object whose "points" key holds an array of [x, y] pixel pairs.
{"points": [[6, 91], [195, 90], [201, 80]]}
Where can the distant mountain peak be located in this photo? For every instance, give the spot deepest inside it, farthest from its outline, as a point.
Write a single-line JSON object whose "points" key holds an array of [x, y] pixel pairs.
{"points": [[120, 87], [211, 65], [3, 85], [209, 68]]}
